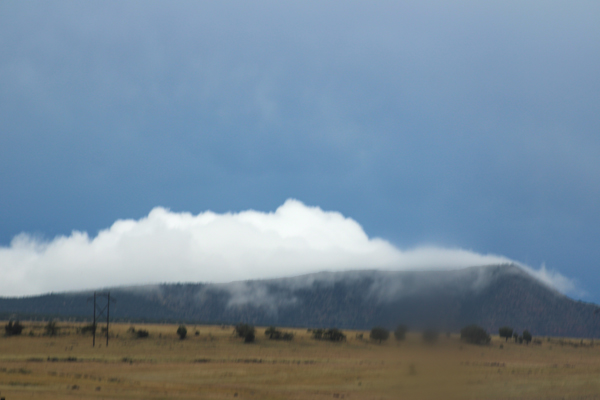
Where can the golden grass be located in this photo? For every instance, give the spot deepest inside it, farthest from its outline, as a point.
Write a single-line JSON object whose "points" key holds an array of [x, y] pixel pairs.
{"points": [[217, 365]]}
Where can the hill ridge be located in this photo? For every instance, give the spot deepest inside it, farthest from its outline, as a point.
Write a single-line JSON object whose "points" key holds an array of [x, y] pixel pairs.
{"points": [[490, 296]]}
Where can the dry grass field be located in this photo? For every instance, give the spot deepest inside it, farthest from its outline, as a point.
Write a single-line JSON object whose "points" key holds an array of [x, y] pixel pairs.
{"points": [[217, 365]]}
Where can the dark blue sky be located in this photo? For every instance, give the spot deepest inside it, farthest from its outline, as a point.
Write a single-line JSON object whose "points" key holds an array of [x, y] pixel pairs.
{"points": [[468, 124]]}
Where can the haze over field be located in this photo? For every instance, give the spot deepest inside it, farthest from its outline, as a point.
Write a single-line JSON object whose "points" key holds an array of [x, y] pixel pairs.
{"points": [[167, 246]]}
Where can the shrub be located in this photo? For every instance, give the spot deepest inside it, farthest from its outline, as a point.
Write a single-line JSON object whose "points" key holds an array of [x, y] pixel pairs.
{"points": [[13, 328], [505, 332], [318, 333], [182, 331], [275, 334], [526, 336], [272, 332], [430, 335], [245, 331], [51, 328], [400, 332], [334, 335], [380, 334], [131, 329], [474, 334], [142, 333], [249, 338], [331, 334], [515, 336], [88, 328]]}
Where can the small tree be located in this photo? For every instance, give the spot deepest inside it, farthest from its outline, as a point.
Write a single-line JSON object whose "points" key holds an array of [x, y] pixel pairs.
{"points": [[245, 331], [474, 334], [249, 338], [334, 335], [13, 328], [142, 333], [272, 333], [331, 334], [275, 334], [380, 334], [526, 336], [506, 332], [430, 335], [182, 332], [51, 328], [88, 328], [400, 332]]}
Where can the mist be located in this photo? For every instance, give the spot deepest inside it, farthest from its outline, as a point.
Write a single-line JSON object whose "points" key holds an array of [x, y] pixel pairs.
{"points": [[167, 246]]}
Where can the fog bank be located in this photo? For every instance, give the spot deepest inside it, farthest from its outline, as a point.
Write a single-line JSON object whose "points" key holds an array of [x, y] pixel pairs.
{"points": [[168, 246]]}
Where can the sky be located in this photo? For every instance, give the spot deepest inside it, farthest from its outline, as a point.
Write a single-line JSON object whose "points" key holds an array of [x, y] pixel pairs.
{"points": [[469, 128]]}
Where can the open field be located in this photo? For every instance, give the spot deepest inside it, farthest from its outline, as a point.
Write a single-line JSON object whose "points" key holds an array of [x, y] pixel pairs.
{"points": [[217, 365]]}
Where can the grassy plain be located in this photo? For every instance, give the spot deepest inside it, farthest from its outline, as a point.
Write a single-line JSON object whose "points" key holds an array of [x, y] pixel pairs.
{"points": [[217, 365]]}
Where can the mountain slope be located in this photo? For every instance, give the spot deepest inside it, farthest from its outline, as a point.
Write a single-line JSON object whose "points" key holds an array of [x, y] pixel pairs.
{"points": [[491, 296]]}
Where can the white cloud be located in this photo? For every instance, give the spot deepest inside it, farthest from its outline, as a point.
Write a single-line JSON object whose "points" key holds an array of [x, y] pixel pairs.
{"points": [[175, 247], [555, 280]]}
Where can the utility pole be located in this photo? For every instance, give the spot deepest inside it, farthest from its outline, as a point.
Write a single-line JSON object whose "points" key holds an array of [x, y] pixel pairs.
{"points": [[107, 315], [100, 312], [94, 326]]}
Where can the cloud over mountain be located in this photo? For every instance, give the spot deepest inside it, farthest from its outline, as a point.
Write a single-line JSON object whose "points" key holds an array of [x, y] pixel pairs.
{"points": [[168, 246]]}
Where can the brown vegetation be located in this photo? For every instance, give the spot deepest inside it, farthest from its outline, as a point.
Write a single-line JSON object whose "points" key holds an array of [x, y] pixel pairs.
{"points": [[218, 365]]}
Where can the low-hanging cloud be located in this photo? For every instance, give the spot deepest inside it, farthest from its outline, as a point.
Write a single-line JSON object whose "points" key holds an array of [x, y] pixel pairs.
{"points": [[168, 246]]}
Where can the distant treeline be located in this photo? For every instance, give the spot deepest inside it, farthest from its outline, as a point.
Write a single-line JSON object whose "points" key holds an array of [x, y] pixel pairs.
{"points": [[472, 334]]}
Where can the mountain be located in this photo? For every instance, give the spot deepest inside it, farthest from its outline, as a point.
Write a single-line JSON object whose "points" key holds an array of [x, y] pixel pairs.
{"points": [[490, 296]]}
